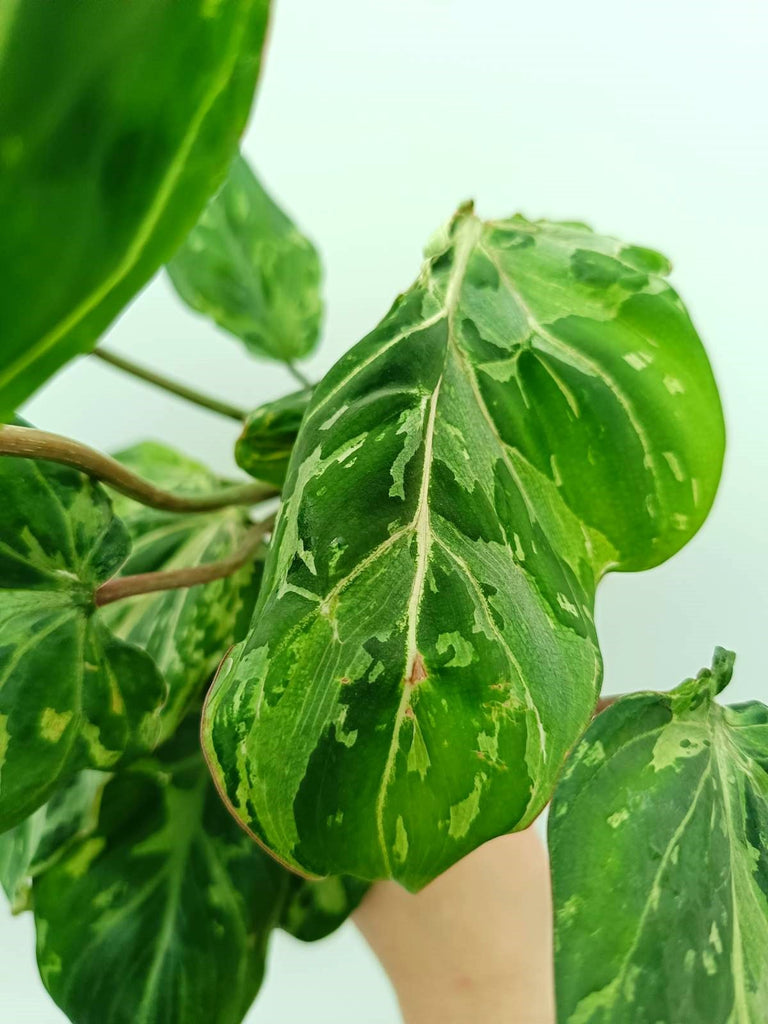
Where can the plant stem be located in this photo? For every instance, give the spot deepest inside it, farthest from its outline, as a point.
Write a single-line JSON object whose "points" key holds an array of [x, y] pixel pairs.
{"points": [[190, 394], [296, 372], [120, 587], [25, 442]]}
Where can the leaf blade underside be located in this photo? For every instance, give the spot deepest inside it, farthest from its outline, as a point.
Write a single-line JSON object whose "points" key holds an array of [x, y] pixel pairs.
{"points": [[423, 655], [247, 267]]}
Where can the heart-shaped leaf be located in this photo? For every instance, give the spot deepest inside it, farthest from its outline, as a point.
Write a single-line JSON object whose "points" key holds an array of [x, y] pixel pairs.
{"points": [[164, 911], [110, 145], [659, 842], [269, 434], [247, 267], [71, 694], [186, 631], [536, 410]]}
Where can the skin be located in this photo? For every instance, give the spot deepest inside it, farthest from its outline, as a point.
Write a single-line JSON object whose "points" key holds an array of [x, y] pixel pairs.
{"points": [[475, 944]]}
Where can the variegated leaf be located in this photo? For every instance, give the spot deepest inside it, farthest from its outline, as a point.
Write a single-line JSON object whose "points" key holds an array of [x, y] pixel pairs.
{"points": [[315, 909], [117, 122], [535, 411], [186, 631], [35, 845], [247, 267], [71, 694], [163, 913], [659, 842], [265, 445]]}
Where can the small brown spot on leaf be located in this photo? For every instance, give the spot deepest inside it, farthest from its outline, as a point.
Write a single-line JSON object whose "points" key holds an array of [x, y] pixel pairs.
{"points": [[418, 670], [345, 681], [409, 712]]}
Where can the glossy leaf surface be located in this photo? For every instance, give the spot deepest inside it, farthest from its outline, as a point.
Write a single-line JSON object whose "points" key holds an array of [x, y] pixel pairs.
{"points": [[536, 410], [265, 445], [247, 267], [71, 694], [659, 843], [118, 120], [163, 913], [186, 631]]}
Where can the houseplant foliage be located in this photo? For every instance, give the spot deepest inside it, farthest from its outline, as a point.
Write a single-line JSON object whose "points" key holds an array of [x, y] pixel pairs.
{"points": [[399, 598]]}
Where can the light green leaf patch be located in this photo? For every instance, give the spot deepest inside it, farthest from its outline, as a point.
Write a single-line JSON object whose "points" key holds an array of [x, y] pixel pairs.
{"points": [[313, 910], [71, 694], [33, 846], [186, 631], [106, 162], [462, 479], [247, 267], [265, 445], [164, 911], [660, 861]]}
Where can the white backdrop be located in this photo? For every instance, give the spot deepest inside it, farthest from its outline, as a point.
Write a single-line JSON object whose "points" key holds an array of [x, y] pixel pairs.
{"points": [[374, 120]]}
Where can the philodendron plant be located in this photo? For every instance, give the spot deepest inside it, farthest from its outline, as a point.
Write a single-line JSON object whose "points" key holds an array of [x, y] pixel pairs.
{"points": [[397, 608]]}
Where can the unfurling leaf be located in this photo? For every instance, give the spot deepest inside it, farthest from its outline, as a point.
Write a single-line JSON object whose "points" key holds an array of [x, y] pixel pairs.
{"points": [[35, 845], [247, 267], [265, 445], [164, 911], [535, 411], [186, 631], [117, 122], [71, 694], [659, 842]]}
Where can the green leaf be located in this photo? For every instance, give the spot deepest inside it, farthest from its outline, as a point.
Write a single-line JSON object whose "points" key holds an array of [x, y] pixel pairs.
{"points": [[33, 846], [71, 694], [164, 912], [265, 445], [315, 909], [109, 147], [247, 267], [659, 842], [186, 631], [536, 410]]}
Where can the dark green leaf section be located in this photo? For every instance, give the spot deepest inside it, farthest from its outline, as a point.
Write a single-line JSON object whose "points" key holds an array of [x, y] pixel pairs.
{"points": [[186, 631], [536, 410], [659, 842], [315, 909], [33, 846], [164, 911], [71, 694], [247, 267], [265, 445], [106, 162]]}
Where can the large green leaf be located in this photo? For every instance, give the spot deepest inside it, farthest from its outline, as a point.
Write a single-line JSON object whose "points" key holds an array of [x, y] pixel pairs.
{"points": [[536, 410], [71, 694], [269, 434], [186, 631], [659, 843], [164, 912], [247, 267], [117, 122], [33, 846]]}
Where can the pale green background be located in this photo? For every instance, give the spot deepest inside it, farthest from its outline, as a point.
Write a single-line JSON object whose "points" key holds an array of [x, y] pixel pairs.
{"points": [[374, 120]]}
